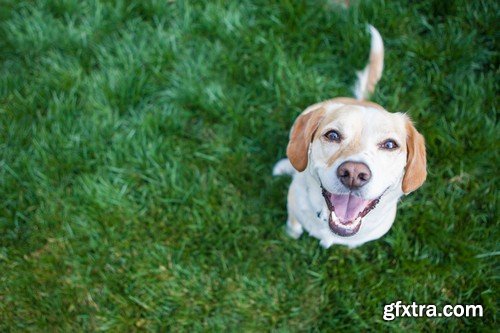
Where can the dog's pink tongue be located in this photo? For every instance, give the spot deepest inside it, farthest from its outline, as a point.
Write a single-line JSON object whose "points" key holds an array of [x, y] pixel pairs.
{"points": [[347, 207]]}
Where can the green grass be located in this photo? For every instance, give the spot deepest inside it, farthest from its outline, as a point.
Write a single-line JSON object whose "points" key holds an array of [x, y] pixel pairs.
{"points": [[136, 146]]}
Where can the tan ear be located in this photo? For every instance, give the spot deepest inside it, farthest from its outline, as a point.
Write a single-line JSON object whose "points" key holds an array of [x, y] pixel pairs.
{"points": [[416, 164], [301, 136]]}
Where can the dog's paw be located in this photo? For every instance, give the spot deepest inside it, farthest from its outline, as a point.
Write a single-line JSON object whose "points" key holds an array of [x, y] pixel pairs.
{"points": [[326, 243], [294, 229]]}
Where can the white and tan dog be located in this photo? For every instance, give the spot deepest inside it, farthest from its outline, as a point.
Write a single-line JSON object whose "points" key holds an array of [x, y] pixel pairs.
{"points": [[351, 161]]}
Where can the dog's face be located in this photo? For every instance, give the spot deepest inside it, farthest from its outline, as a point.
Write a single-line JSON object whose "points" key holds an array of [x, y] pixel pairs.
{"points": [[358, 153]]}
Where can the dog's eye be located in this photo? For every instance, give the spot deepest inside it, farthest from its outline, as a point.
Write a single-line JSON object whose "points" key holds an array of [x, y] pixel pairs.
{"points": [[389, 144], [333, 136]]}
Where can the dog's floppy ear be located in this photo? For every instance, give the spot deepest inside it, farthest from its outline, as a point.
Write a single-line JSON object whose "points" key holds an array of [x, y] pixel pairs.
{"points": [[301, 136], [416, 164]]}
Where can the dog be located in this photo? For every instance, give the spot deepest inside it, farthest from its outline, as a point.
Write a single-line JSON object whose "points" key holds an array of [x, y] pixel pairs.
{"points": [[351, 160]]}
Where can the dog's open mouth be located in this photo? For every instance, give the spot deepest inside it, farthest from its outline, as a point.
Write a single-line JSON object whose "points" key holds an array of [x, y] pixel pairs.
{"points": [[347, 211]]}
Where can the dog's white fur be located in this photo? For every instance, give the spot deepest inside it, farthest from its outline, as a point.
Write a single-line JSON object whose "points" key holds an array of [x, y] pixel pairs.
{"points": [[313, 160]]}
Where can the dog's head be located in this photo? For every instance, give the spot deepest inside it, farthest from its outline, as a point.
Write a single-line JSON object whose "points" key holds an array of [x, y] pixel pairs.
{"points": [[358, 152]]}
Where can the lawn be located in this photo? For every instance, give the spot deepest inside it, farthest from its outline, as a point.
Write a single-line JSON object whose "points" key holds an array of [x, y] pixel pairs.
{"points": [[137, 140]]}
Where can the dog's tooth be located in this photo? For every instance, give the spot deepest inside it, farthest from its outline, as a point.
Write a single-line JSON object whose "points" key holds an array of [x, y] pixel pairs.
{"points": [[335, 218]]}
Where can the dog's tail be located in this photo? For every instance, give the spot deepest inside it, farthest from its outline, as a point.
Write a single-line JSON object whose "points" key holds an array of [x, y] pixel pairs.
{"points": [[368, 77], [284, 167]]}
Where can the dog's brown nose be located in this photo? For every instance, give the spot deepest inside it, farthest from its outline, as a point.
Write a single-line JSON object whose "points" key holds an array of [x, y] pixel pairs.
{"points": [[354, 174]]}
